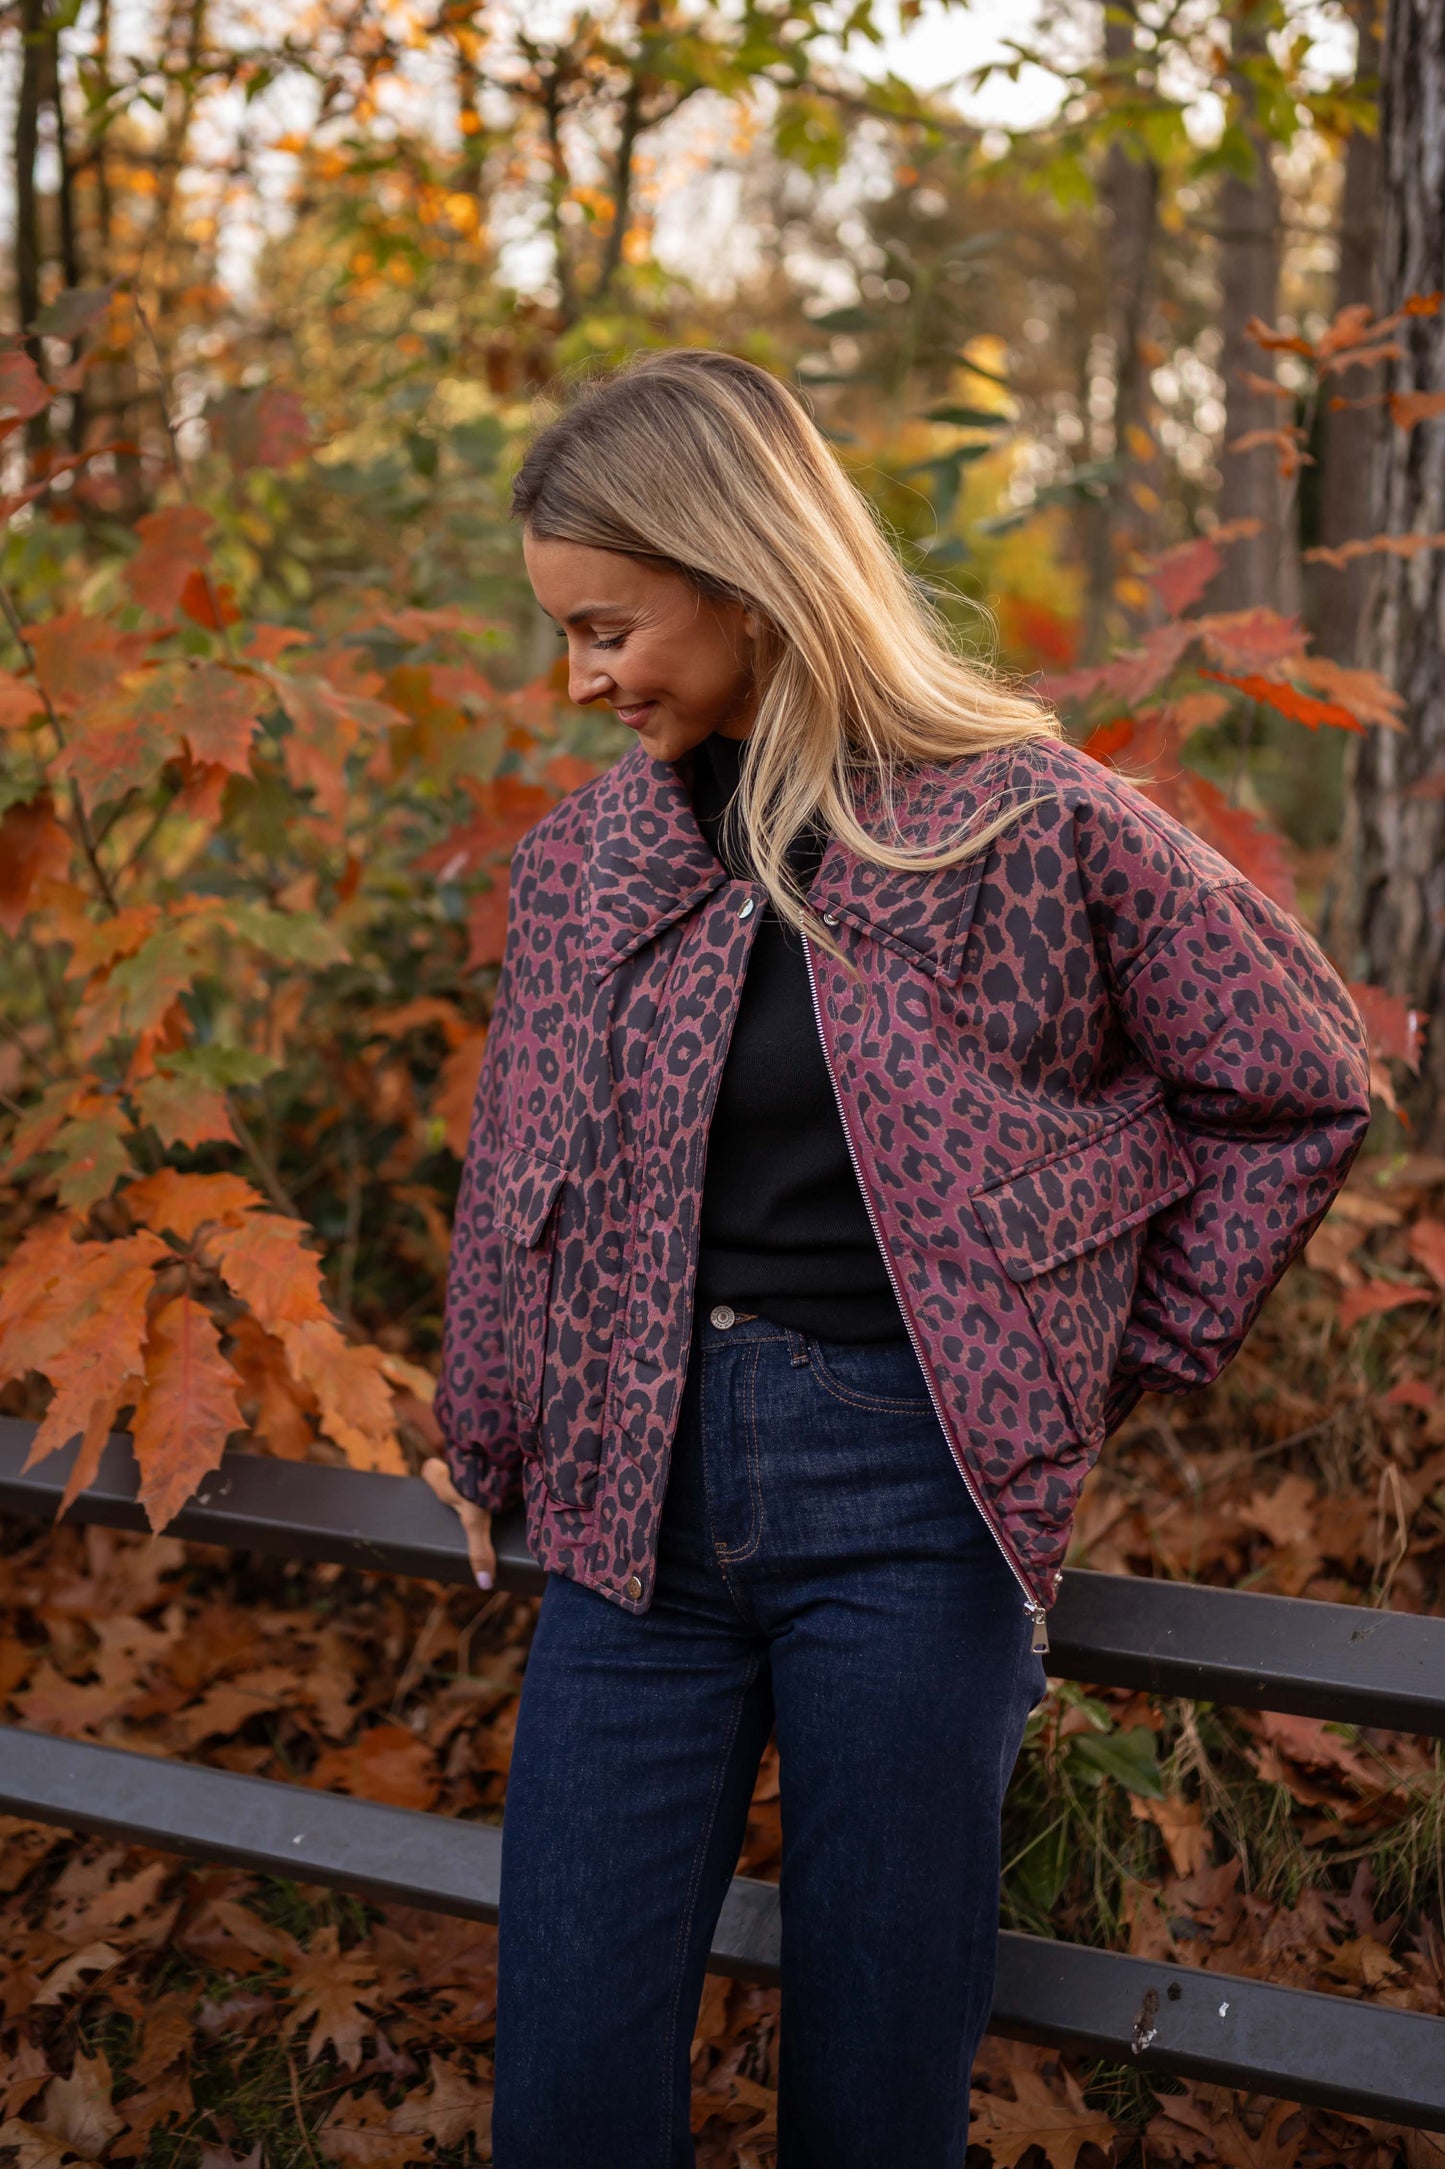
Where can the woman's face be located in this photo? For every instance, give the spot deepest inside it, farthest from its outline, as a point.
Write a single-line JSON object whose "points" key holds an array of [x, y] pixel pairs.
{"points": [[672, 664]]}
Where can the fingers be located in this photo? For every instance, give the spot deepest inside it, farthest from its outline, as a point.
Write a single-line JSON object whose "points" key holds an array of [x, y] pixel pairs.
{"points": [[477, 1523], [438, 1478], [475, 1520]]}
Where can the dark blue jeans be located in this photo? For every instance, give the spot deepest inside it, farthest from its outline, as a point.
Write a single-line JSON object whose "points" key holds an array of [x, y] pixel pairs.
{"points": [[824, 1571]]}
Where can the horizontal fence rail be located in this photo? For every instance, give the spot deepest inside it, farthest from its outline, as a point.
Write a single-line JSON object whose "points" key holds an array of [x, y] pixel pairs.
{"points": [[1166, 2019], [1170, 1638], [1325, 1660]]}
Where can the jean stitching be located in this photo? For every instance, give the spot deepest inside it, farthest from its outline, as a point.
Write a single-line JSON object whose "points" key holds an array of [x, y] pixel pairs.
{"points": [[689, 1904], [746, 1550], [852, 1399], [702, 1452]]}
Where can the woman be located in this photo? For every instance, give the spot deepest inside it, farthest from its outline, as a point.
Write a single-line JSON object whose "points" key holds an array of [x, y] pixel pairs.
{"points": [[879, 1097]]}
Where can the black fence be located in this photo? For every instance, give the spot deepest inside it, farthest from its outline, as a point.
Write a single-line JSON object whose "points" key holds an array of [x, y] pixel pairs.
{"points": [[1277, 1653]]}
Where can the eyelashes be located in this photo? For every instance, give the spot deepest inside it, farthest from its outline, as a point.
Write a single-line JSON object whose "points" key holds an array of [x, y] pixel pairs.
{"points": [[615, 641]]}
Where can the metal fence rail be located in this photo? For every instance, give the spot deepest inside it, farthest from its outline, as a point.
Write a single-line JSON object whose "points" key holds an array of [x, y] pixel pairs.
{"points": [[1171, 1638], [1325, 1660]]}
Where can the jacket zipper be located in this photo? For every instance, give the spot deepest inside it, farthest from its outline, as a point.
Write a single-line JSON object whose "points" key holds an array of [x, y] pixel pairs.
{"points": [[1039, 1642]]}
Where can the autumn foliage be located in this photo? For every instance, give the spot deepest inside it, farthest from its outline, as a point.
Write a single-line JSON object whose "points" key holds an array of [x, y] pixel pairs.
{"points": [[253, 876], [209, 821]]}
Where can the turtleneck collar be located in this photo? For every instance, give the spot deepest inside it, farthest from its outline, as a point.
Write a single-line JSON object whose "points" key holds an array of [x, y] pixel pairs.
{"points": [[717, 770]]}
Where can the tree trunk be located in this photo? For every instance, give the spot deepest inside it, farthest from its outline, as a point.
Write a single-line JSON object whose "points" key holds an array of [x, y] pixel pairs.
{"points": [[1347, 435], [27, 142], [1395, 833], [1248, 286], [1129, 198]]}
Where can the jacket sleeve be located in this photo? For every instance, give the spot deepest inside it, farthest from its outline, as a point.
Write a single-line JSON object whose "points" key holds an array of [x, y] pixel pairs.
{"points": [[473, 1403], [1263, 1059]]}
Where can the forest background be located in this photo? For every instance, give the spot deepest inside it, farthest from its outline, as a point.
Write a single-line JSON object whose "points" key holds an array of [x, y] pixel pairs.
{"points": [[1132, 331]]}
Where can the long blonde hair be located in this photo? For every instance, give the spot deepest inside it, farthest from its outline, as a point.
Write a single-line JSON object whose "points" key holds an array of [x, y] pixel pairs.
{"points": [[707, 464]]}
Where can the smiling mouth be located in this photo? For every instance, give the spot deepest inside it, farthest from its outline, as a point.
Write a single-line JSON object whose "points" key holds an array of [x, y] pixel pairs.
{"points": [[636, 715]]}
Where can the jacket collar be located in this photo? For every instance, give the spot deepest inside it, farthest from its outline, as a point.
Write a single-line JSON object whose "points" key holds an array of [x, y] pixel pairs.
{"points": [[649, 864]]}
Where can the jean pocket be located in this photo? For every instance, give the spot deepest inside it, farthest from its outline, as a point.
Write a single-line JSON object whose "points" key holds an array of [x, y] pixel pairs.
{"points": [[527, 1188], [881, 1375], [1069, 1231]]}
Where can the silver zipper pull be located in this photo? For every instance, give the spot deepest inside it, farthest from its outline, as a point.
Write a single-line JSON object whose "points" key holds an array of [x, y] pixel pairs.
{"points": [[1039, 1646]]}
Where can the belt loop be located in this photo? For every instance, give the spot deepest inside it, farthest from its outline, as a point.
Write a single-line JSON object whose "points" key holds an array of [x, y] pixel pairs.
{"points": [[797, 1345]]}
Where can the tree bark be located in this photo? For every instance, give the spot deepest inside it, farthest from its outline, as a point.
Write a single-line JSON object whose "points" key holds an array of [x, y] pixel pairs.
{"points": [[27, 142], [1129, 198], [1346, 436], [1248, 286], [1395, 833]]}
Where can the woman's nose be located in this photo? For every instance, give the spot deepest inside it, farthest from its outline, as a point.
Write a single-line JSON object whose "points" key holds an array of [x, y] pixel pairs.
{"points": [[585, 682]]}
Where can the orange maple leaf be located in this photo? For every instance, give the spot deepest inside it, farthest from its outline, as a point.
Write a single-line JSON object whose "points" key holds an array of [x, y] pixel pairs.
{"points": [[218, 714], [456, 1091], [178, 1205], [78, 658], [1407, 409], [1287, 700], [33, 847], [487, 922], [280, 1405], [1249, 639], [20, 701], [265, 1262], [1369, 697], [1376, 1297], [76, 1313], [185, 1113], [186, 1410], [172, 545]]}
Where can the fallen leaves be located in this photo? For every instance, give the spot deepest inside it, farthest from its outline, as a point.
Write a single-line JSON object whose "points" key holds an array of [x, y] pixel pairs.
{"points": [[326, 1984], [1053, 2117]]}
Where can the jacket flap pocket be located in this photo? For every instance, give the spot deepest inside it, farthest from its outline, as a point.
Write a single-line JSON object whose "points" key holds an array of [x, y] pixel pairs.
{"points": [[1072, 1201], [526, 1187]]}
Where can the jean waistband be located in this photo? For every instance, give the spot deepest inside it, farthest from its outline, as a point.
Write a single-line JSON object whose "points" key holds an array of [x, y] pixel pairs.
{"points": [[721, 1326]]}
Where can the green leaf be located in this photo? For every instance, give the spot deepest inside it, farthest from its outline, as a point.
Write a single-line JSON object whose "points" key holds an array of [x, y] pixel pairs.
{"points": [[219, 1066], [93, 1158], [479, 444], [423, 452], [1086, 484], [852, 318], [292, 937], [967, 417], [1130, 1758], [70, 312]]}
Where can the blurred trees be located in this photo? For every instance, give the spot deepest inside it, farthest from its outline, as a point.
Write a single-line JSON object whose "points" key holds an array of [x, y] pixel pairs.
{"points": [[284, 289], [1396, 803]]}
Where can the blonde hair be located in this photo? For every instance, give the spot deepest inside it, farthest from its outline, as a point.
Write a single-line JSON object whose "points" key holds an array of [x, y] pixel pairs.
{"points": [[706, 464]]}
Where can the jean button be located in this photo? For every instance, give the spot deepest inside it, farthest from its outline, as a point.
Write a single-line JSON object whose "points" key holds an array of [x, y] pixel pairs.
{"points": [[724, 1315], [632, 1587]]}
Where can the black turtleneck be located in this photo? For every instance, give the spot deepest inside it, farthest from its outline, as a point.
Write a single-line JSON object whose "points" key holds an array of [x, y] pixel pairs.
{"points": [[785, 1231]]}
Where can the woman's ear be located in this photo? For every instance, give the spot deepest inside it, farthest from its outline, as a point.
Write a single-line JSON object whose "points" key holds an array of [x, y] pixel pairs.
{"points": [[752, 623]]}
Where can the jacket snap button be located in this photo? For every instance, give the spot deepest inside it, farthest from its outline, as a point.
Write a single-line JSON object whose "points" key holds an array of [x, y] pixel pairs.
{"points": [[830, 918], [724, 1315], [745, 908], [633, 1587]]}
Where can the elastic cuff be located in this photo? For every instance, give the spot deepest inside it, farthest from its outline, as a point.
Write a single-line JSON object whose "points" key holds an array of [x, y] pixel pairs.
{"points": [[481, 1482]]}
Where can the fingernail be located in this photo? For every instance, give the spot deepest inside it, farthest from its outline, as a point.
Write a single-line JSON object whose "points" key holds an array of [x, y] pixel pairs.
{"points": [[484, 1579]]}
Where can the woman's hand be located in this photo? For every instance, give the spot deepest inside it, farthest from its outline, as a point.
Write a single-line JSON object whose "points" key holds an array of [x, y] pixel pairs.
{"points": [[476, 1521]]}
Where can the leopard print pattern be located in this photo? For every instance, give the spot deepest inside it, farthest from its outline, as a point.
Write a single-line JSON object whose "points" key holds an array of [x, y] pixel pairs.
{"points": [[1099, 1092]]}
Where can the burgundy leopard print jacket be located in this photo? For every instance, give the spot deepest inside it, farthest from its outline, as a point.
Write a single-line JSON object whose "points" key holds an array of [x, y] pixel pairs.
{"points": [[1099, 1092]]}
